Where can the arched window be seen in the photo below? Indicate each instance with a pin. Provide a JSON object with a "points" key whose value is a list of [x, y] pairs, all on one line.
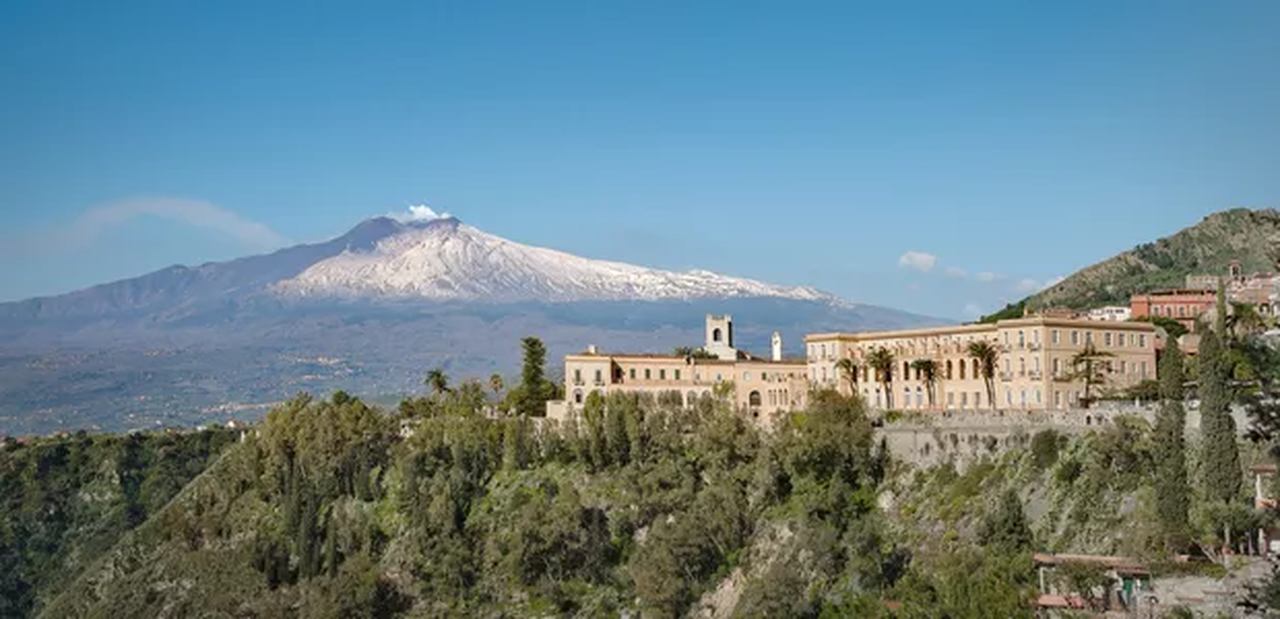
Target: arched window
{"points": [[715, 334], [754, 399], [976, 374], [906, 370], [577, 396], [949, 369], [962, 364], [919, 398]]}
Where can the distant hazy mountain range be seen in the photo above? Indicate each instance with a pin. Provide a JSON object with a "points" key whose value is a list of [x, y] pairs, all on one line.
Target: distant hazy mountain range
{"points": [[369, 311]]}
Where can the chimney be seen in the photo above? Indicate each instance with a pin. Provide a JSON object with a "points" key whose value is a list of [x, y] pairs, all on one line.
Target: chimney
{"points": [[776, 348]]}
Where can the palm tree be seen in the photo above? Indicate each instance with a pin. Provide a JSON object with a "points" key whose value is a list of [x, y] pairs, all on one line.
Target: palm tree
{"points": [[1088, 365], [1244, 320], [848, 368], [927, 369], [495, 383], [987, 355], [881, 360], [437, 381]]}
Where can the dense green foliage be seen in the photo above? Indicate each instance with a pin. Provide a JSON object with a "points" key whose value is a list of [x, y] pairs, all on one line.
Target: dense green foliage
{"points": [[333, 508], [1008, 312], [1173, 493], [1220, 460], [64, 501]]}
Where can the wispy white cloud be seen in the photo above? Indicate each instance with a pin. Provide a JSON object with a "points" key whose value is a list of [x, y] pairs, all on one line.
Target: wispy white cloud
{"points": [[971, 310], [956, 272], [987, 277], [917, 260], [97, 220]]}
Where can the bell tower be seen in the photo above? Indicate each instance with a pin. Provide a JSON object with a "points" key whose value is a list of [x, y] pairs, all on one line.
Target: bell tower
{"points": [[719, 336]]}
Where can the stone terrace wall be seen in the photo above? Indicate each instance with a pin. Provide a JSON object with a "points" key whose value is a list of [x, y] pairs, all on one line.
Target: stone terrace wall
{"points": [[926, 439]]}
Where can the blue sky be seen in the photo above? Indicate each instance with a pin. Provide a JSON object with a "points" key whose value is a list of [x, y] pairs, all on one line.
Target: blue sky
{"points": [[800, 143]]}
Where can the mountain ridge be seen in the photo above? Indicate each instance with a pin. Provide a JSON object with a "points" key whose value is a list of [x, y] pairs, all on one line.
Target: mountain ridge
{"points": [[1249, 235], [169, 347]]}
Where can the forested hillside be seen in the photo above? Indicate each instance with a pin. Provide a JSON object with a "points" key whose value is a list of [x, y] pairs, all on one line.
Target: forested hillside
{"points": [[327, 511], [65, 501], [1250, 236], [449, 507]]}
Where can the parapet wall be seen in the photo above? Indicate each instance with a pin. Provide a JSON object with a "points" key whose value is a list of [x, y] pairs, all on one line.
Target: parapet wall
{"points": [[926, 439]]}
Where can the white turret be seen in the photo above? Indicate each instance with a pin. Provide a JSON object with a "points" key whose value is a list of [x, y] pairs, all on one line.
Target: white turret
{"points": [[776, 346]]}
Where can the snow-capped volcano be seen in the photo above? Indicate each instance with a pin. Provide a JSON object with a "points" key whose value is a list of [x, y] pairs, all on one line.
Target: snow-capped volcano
{"points": [[444, 260]]}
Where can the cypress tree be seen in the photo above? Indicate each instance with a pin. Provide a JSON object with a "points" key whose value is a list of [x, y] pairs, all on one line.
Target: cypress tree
{"points": [[1221, 458], [1173, 495], [533, 388], [515, 447], [331, 559]]}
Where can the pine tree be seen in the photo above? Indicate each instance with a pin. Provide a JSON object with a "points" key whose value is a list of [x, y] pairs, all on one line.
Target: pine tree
{"points": [[1221, 458], [1006, 526], [1173, 494]]}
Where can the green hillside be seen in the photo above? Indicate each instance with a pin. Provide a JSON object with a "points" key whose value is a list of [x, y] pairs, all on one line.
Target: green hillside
{"points": [[1251, 236], [64, 501], [328, 510]]}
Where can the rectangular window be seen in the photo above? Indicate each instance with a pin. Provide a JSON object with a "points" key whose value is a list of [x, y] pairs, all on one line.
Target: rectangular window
{"points": [[599, 377], [662, 375], [1057, 399], [1106, 339], [677, 374], [1055, 336], [632, 373], [1075, 338], [1142, 340], [647, 375], [577, 376]]}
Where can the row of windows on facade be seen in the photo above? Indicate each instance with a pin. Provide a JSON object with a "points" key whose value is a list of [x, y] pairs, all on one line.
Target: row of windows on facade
{"points": [[963, 400], [777, 397], [662, 375], [1120, 367], [1183, 311], [1109, 339]]}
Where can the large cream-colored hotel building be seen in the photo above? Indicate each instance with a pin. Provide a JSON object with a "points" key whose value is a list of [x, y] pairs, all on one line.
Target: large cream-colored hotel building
{"points": [[1034, 369]]}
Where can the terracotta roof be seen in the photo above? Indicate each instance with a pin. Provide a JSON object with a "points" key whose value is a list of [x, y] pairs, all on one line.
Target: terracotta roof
{"points": [[1120, 564], [1049, 600]]}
